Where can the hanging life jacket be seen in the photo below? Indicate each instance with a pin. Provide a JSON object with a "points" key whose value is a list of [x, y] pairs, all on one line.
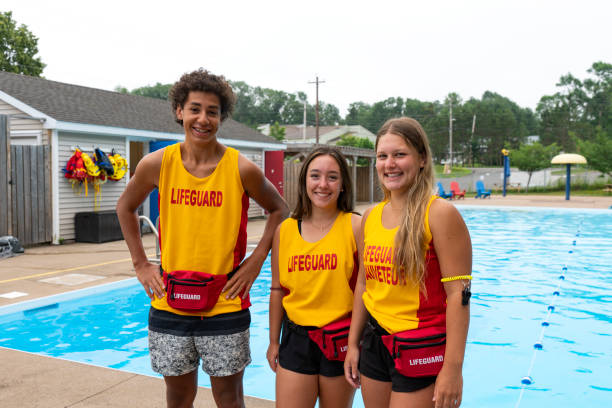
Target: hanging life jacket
{"points": [[71, 164], [103, 162], [74, 167], [92, 169], [119, 166], [75, 171]]}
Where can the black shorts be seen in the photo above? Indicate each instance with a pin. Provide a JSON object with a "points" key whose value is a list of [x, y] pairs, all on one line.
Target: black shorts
{"points": [[162, 321], [376, 363], [298, 353]]}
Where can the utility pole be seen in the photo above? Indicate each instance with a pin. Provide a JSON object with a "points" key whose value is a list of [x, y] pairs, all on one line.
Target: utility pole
{"points": [[304, 130], [472, 140], [317, 82], [450, 134]]}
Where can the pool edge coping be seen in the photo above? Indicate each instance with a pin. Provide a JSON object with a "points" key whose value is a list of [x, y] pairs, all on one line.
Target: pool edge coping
{"points": [[64, 296]]}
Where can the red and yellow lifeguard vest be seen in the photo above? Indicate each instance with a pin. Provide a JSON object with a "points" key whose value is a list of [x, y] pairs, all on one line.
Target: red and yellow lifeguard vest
{"points": [[319, 276], [202, 223], [396, 306]]}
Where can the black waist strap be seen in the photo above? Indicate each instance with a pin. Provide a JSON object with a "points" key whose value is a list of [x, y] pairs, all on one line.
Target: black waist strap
{"points": [[375, 327], [302, 330]]}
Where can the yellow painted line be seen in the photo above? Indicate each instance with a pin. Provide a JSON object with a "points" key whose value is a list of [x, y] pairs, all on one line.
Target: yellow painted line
{"points": [[68, 270]]}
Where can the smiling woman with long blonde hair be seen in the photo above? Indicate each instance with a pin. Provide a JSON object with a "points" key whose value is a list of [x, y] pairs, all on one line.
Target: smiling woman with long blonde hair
{"points": [[411, 305]]}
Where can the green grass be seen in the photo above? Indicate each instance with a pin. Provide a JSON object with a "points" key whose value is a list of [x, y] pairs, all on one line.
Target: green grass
{"points": [[455, 171], [575, 170], [598, 188]]}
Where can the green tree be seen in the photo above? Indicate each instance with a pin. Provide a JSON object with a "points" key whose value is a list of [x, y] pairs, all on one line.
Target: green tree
{"points": [[277, 131], [598, 152], [579, 108], [18, 48], [256, 105], [500, 122], [328, 114], [357, 114], [349, 139], [598, 110], [158, 91], [532, 158]]}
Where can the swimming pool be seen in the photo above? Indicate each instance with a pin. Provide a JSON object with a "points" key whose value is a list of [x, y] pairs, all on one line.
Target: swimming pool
{"points": [[519, 255]]}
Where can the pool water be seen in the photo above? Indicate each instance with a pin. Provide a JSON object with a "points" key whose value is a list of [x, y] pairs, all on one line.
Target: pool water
{"points": [[519, 255]]}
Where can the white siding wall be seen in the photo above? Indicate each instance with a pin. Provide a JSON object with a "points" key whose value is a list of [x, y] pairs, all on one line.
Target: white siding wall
{"points": [[256, 156], [70, 202], [23, 131]]}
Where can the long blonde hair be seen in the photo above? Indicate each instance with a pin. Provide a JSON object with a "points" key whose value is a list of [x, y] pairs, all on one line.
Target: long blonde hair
{"points": [[410, 241]]}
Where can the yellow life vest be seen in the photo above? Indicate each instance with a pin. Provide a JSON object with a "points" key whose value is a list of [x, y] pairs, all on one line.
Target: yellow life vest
{"points": [[119, 166]]}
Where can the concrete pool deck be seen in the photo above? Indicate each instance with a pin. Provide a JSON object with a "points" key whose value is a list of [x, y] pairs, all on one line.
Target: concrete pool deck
{"points": [[29, 380]]}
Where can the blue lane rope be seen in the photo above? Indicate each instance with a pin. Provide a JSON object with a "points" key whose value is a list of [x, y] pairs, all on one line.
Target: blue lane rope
{"points": [[539, 345]]}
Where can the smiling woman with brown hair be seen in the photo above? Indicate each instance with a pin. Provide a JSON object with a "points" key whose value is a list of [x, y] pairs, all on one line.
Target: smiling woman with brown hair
{"points": [[313, 274]]}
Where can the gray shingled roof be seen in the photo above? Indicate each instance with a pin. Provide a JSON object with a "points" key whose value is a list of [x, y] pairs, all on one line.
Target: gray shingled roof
{"points": [[80, 104]]}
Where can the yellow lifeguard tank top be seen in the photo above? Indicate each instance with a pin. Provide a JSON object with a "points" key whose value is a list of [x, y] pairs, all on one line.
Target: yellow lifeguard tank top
{"points": [[396, 306], [202, 223], [319, 276]]}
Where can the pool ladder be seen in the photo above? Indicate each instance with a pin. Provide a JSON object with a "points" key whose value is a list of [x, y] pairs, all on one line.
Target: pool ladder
{"points": [[154, 228]]}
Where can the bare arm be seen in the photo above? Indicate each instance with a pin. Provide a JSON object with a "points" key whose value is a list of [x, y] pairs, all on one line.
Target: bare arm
{"points": [[276, 306], [144, 181], [454, 251], [360, 314], [263, 192]]}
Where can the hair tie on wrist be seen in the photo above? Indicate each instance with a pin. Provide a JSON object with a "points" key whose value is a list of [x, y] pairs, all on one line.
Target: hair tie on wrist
{"points": [[454, 278]]}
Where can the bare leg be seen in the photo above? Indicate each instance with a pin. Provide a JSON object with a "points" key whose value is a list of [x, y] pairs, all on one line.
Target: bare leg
{"points": [[417, 399], [376, 394], [295, 390], [227, 391], [181, 390], [335, 392]]}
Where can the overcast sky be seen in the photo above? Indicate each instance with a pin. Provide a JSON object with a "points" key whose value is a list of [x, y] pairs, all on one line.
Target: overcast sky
{"points": [[363, 50]]}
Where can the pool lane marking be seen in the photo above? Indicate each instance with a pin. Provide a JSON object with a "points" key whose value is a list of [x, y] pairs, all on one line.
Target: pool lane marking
{"points": [[527, 380], [76, 268]]}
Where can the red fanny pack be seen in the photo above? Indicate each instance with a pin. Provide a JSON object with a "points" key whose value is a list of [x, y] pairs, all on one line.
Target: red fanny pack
{"points": [[418, 352], [332, 339], [192, 290]]}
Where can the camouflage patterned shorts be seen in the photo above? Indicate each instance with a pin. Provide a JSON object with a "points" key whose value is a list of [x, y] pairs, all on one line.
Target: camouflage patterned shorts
{"points": [[221, 355]]}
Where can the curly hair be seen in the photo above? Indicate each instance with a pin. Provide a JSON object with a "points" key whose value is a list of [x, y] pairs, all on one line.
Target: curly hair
{"points": [[203, 81]]}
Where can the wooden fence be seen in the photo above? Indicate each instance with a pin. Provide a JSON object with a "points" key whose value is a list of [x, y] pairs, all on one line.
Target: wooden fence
{"points": [[362, 184], [291, 174], [5, 176], [26, 206]]}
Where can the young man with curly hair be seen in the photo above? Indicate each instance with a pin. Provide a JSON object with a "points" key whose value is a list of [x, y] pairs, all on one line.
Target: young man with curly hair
{"points": [[204, 190]]}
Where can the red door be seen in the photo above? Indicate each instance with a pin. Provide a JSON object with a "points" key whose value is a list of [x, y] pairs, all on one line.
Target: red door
{"points": [[274, 168]]}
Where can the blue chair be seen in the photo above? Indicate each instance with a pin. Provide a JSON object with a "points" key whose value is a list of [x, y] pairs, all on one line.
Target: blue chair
{"points": [[481, 192], [443, 193]]}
